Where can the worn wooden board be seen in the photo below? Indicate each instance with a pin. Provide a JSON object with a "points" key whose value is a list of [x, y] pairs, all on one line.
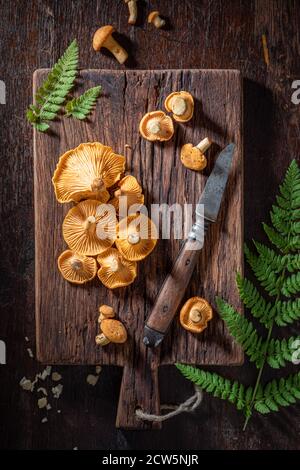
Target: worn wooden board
{"points": [[66, 315]]}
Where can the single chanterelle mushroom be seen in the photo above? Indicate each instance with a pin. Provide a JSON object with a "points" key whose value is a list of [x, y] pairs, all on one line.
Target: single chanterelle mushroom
{"points": [[195, 314], [115, 271], [181, 104], [130, 193], [155, 19], [89, 227], [193, 157], [105, 312], [132, 7], [136, 237], [103, 38], [113, 331], [86, 171], [77, 268], [156, 126]]}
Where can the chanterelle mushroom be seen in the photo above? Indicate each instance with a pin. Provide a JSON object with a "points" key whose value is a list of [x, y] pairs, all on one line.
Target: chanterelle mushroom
{"points": [[105, 312], [136, 237], [86, 171], [115, 271], [129, 194], [76, 268], [113, 331], [132, 7], [195, 314], [181, 104], [193, 157], [156, 126], [103, 38], [89, 228], [154, 18]]}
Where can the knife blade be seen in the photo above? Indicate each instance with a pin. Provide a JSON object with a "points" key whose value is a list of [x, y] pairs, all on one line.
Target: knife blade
{"points": [[176, 282]]}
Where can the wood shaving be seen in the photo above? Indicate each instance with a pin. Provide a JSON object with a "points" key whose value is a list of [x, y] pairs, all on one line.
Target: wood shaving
{"points": [[58, 411], [43, 390], [26, 384], [75, 448], [26, 339], [42, 402], [265, 49], [98, 369], [92, 379], [57, 391], [48, 407], [44, 420], [56, 376], [46, 372], [30, 353]]}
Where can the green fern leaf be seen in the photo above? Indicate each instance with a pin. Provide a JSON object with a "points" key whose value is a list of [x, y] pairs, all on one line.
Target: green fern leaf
{"points": [[260, 309], [281, 351], [287, 312], [291, 285], [263, 271], [243, 331], [284, 392], [81, 106], [215, 384], [54, 89], [275, 238]]}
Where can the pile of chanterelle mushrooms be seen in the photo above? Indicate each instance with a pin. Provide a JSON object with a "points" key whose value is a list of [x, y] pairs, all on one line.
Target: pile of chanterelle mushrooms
{"points": [[92, 176]]}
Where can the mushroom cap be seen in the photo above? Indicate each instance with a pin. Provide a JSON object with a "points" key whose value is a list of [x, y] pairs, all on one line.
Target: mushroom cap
{"points": [[189, 101], [129, 187], [107, 311], [136, 237], [192, 157], [86, 171], [77, 268], [152, 16], [89, 228], [101, 35], [115, 271], [114, 330], [160, 119], [195, 314]]}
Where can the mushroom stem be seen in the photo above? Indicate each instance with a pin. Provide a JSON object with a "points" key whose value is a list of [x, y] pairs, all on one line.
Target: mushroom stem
{"points": [[76, 264], [98, 185], [133, 238], [154, 127], [159, 22], [178, 106], [132, 7], [204, 145], [114, 265], [195, 315], [91, 220], [101, 340], [114, 47]]}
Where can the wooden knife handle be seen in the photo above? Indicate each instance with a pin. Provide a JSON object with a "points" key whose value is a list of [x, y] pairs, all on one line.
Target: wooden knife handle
{"points": [[172, 291]]}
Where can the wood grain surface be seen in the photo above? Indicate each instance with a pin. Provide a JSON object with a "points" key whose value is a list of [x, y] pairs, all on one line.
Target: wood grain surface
{"points": [[207, 34], [67, 314]]}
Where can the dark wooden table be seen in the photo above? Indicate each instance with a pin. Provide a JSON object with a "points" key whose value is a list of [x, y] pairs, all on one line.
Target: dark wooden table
{"points": [[200, 34]]}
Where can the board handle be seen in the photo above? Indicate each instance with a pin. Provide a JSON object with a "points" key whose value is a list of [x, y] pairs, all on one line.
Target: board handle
{"points": [[171, 293], [139, 390]]}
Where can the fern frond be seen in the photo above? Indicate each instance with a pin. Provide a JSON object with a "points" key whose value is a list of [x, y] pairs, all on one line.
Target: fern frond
{"points": [[243, 331], [275, 238], [81, 106], [293, 263], [218, 386], [287, 312], [269, 257], [263, 271], [291, 285], [261, 309], [281, 351], [54, 90], [275, 394]]}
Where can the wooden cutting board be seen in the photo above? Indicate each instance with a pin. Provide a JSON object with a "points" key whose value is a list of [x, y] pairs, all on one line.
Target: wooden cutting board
{"points": [[66, 315]]}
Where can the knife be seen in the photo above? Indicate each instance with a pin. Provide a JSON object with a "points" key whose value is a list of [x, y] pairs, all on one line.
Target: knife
{"points": [[176, 282]]}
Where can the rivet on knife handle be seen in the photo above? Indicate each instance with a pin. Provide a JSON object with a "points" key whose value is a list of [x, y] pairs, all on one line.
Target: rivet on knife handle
{"points": [[175, 284]]}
